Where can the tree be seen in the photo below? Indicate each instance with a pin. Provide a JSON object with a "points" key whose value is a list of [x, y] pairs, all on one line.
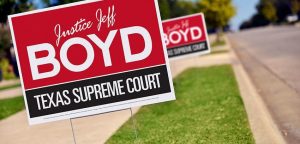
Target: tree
{"points": [[217, 14], [8, 7], [182, 8], [268, 10], [295, 6], [283, 9], [271, 11], [4, 39], [164, 9], [50, 3], [256, 20], [176, 8]]}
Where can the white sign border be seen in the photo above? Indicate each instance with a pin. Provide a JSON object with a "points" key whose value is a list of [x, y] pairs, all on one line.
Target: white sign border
{"points": [[207, 39], [101, 108]]}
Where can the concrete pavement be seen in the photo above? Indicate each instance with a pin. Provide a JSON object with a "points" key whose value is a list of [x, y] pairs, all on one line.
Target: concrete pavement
{"points": [[88, 130], [9, 82], [9, 93], [12, 92], [179, 65]]}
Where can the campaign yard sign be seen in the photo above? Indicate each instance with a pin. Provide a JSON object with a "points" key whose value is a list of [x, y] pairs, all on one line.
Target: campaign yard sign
{"points": [[91, 57], [186, 36]]}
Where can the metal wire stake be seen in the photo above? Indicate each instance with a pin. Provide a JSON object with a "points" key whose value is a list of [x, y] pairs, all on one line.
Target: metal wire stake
{"points": [[134, 126], [74, 139]]}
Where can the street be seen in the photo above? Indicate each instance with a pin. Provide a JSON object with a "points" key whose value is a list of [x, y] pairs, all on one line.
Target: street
{"points": [[276, 48], [271, 57]]}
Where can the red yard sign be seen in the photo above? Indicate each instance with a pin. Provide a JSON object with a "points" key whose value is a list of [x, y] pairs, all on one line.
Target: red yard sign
{"points": [[91, 57], [185, 36]]}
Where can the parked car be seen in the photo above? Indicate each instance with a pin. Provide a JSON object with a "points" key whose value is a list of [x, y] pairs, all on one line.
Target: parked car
{"points": [[292, 18]]}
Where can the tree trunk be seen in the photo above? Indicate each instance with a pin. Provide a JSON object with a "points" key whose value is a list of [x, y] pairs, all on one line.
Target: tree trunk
{"points": [[219, 34]]}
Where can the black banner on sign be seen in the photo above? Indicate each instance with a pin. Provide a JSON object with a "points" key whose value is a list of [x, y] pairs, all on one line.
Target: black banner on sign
{"points": [[187, 49], [98, 91]]}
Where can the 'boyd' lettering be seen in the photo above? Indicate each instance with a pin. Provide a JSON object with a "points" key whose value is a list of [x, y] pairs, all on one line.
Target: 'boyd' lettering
{"points": [[104, 46]]}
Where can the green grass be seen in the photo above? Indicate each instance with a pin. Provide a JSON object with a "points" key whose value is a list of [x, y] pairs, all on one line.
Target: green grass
{"points": [[11, 106], [219, 51], [10, 86], [218, 43], [208, 110]]}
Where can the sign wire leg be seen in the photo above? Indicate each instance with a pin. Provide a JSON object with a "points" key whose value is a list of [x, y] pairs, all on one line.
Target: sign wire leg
{"points": [[134, 126], [74, 139]]}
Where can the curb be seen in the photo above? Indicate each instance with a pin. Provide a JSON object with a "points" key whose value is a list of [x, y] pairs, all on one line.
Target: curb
{"points": [[262, 124]]}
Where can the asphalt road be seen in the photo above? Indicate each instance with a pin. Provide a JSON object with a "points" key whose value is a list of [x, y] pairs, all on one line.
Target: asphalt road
{"points": [[271, 56], [278, 48]]}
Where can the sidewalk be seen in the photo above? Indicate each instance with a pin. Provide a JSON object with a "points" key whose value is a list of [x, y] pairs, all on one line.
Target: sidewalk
{"points": [[88, 130], [179, 65], [9, 82], [10, 93]]}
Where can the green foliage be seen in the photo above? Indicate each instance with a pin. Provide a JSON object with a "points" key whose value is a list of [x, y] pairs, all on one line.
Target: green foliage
{"points": [[271, 11], [68, 1], [23, 6], [183, 8], [208, 110], [5, 39], [268, 10], [295, 6], [217, 12], [218, 43], [8, 7], [11, 106], [164, 9], [6, 69], [256, 21], [168, 8], [59, 2]]}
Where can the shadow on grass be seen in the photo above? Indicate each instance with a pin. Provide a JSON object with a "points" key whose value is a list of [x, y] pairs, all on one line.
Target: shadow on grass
{"points": [[208, 109]]}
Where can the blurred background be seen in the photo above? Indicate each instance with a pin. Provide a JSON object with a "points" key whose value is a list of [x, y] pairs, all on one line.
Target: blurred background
{"points": [[221, 15], [245, 91]]}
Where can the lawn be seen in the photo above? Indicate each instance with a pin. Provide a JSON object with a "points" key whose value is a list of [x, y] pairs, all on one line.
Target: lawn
{"points": [[208, 110], [11, 106]]}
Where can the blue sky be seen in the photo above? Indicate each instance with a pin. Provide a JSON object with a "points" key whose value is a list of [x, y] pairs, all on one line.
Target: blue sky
{"points": [[245, 9], [38, 3]]}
